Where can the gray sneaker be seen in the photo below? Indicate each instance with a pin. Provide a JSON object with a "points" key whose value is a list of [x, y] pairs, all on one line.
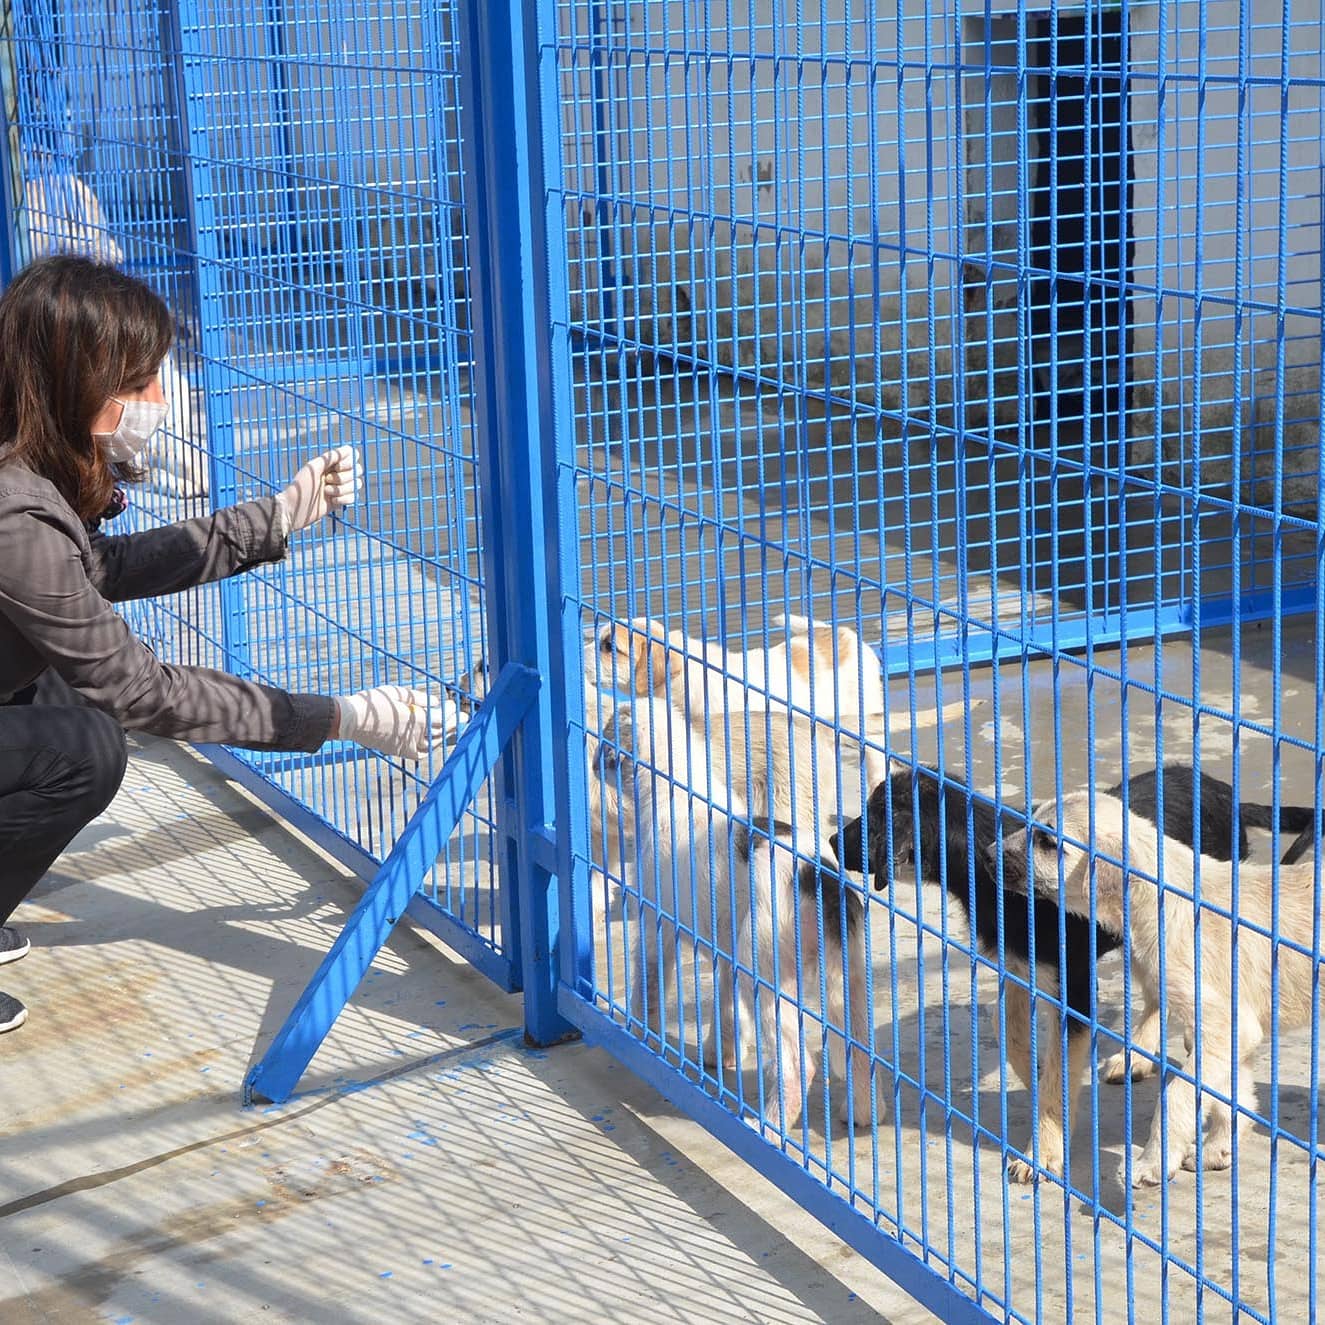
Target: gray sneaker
{"points": [[12, 945], [12, 1013]]}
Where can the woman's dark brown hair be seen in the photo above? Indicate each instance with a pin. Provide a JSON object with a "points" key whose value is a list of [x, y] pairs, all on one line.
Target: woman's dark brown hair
{"points": [[73, 333]]}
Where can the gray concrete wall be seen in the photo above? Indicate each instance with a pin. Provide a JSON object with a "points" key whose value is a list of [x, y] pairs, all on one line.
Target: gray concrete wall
{"points": [[771, 206]]}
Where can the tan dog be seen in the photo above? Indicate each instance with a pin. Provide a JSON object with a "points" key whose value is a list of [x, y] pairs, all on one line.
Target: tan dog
{"points": [[1203, 1007], [829, 674]]}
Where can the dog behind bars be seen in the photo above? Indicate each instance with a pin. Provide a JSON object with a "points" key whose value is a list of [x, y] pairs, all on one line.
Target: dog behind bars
{"points": [[723, 874], [1125, 896]]}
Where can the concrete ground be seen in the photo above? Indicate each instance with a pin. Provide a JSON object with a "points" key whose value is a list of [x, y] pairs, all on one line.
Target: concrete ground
{"points": [[429, 1166]]}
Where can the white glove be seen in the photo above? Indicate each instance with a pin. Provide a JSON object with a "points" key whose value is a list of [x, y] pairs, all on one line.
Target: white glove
{"points": [[400, 722], [323, 485]]}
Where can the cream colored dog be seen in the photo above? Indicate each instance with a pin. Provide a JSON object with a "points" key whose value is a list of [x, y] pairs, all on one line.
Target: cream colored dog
{"points": [[717, 879], [1204, 1006]]}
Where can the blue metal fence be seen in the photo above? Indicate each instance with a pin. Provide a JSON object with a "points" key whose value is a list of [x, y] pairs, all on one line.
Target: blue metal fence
{"points": [[291, 184], [792, 397], [990, 332]]}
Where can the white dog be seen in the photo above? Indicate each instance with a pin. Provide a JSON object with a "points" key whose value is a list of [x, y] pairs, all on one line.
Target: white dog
{"points": [[712, 893], [817, 669], [1204, 1008]]}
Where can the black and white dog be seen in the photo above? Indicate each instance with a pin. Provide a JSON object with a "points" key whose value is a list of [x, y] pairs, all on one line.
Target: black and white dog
{"points": [[969, 873]]}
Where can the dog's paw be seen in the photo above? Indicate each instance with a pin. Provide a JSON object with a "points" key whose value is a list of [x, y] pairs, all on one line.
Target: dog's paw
{"points": [[857, 1119], [1215, 1158], [713, 1060], [1021, 1172], [1115, 1068], [1147, 1173]]}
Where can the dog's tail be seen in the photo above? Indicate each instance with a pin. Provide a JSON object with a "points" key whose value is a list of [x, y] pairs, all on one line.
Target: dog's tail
{"points": [[1302, 843], [1292, 818]]}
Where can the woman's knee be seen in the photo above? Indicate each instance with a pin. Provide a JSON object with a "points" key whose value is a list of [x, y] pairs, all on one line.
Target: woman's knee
{"points": [[107, 753], [82, 762]]}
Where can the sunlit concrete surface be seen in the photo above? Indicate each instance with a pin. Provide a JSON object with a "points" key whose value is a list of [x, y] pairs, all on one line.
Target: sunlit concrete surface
{"points": [[431, 1167]]}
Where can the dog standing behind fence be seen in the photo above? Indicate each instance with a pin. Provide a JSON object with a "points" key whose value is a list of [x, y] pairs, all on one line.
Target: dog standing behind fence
{"points": [[1200, 998], [713, 887], [64, 216], [967, 867]]}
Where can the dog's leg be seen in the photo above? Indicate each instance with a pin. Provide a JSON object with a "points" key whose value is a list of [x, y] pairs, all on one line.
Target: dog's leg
{"points": [[1178, 1103], [1055, 1129], [856, 1025], [1049, 1105], [1217, 1150], [795, 1074], [725, 1018], [1017, 1018], [1141, 1057], [778, 1047], [645, 974]]}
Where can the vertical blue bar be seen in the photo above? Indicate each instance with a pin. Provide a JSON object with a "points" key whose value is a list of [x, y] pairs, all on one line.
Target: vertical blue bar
{"points": [[501, 141]]}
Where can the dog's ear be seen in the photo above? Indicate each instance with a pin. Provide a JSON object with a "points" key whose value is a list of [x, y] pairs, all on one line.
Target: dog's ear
{"points": [[1110, 878], [650, 667], [672, 662], [846, 844]]}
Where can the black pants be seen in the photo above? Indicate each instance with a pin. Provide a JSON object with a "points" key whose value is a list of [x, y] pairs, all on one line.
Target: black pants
{"points": [[60, 766]]}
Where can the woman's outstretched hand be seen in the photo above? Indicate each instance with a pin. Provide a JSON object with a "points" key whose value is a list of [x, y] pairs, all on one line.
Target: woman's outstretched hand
{"points": [[323, 485], [400, 722]]}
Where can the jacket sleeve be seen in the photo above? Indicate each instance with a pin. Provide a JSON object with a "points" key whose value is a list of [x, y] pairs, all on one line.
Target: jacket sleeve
{"points": [[180, 556], [46, 593]]}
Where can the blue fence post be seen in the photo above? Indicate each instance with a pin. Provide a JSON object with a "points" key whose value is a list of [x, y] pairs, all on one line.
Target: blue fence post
{"points": [[501, 142]]}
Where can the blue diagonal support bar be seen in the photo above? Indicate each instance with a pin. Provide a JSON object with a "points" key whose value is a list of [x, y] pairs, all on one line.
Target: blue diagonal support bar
{"points": [[464, 773]]}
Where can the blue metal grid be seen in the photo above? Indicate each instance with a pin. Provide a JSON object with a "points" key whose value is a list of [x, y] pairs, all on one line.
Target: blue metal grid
{"points": [[992, 332]]}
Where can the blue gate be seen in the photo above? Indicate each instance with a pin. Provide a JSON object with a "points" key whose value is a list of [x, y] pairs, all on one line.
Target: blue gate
{"points": [[784, 404]]}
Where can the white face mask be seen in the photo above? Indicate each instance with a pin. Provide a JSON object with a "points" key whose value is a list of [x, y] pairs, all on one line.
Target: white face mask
{"points": [[139, 419]]}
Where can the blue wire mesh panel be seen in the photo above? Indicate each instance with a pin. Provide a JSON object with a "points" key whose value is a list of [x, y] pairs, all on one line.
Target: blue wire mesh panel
{"points": [[290, 181], [96, 170], [975, 333]]}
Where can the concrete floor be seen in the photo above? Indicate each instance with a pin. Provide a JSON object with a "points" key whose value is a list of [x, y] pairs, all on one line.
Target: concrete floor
{"points": [[430, 1165]]}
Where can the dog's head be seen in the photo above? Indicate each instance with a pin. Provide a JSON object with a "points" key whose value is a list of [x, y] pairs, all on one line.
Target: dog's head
{"points": [[891, 798], [638, 656], [1067, 829], [629, 744]]}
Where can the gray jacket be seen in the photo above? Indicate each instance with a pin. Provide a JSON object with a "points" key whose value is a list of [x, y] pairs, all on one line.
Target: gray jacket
{"points": [[57, 582]]}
